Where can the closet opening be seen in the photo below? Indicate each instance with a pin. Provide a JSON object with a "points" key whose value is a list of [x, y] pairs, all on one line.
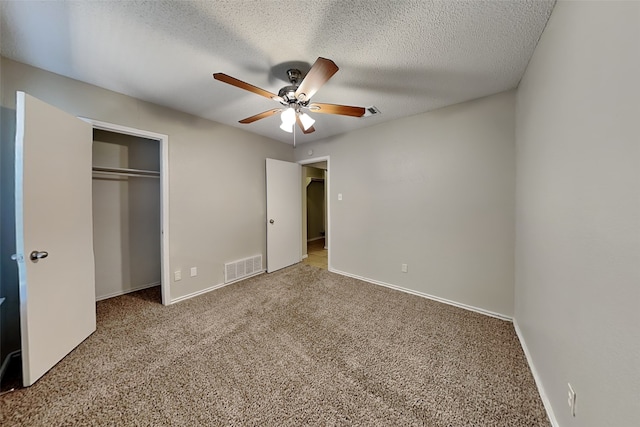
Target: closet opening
{"points": [[127, 214]]}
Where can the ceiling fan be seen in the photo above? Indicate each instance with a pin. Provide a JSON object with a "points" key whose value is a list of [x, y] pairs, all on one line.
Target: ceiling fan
{"points": [[295, 98]]}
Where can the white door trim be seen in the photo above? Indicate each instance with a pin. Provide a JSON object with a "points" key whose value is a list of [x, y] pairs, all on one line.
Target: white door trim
{"points": [[327, 184], [165, 281]]}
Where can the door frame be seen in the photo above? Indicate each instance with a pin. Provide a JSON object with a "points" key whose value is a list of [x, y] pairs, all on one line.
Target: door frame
{"points": [[163, 140], [327, 183]]}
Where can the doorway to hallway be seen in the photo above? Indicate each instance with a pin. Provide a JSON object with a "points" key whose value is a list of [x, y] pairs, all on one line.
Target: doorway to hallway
{"points": [[315, 212]]}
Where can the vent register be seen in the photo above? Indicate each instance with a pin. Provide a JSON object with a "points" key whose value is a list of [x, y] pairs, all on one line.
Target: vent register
{"points": [[242, 268]]}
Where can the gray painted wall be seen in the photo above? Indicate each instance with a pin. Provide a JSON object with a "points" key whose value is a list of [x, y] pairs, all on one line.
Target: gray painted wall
{"points": [[434, 191], [216, 178], [578, 212]]}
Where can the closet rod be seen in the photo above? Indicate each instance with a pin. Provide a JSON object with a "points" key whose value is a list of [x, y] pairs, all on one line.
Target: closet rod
{"points": [[126, 172], [137, 175]]}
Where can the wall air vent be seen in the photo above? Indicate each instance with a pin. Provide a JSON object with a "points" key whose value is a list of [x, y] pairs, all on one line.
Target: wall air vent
{"points": [[371, 111], [242, 268]]}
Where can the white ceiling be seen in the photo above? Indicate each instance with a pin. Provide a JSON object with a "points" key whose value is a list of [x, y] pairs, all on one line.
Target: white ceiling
{"points": [[404, 57]]}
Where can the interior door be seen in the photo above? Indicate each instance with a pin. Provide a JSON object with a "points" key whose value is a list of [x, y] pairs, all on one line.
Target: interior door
{"points": [[284, 217], [54, 235]]}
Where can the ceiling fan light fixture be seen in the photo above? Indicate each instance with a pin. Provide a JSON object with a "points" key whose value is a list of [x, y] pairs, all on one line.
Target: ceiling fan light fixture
{"points": [[306, 120]]}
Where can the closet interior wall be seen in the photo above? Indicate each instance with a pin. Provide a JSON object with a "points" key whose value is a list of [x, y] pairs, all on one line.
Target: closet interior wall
{"points": [[126, 214]]}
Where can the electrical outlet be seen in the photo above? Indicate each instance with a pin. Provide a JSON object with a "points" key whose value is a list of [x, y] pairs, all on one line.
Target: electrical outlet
{"points": [[177, 275], [571, 400], [404, 268], [194, 271]]}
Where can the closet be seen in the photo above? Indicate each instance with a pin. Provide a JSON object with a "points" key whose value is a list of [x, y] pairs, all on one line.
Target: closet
{"points": [[126, 213]]}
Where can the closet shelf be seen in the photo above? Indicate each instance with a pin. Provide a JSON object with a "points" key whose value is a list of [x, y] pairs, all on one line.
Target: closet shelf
{"points": [[310, 180], [126, 172]]}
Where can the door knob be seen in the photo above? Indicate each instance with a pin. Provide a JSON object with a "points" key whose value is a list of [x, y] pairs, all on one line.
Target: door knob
{"points": [[36, 255], [271, 221]]}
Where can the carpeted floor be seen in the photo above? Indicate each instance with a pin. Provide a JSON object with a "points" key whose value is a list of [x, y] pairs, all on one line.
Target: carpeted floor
{"points": [[301, 346]]}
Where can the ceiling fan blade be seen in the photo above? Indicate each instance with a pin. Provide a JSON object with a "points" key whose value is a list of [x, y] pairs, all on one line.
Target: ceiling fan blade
{"points": [[260, 116], [344, 110], [318, 75], [301, 126], [246, 86]]}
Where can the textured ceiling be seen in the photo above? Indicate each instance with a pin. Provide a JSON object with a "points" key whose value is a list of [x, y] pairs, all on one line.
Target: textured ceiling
{"points": [[404, 57]]}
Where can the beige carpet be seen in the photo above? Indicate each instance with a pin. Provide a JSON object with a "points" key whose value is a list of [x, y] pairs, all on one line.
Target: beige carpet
{"points": [[297, 347]]}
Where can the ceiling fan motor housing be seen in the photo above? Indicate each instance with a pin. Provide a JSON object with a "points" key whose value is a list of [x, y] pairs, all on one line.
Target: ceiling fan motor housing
{"points": [[288, 94]]}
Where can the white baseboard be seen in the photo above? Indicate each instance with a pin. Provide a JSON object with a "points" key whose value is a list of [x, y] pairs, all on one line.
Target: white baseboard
{"points": [[127, 291], [314, 239], [422, 294], [543, 396], [305, 256], [211, 288]]}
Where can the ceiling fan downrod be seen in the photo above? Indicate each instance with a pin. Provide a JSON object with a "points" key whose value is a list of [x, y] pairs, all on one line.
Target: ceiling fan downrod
{"points": [[294, 76]]}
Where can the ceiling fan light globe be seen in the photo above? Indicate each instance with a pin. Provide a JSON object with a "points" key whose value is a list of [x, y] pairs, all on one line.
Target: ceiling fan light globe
{"points": [[306, 120], [288, 116], [287, 127]]}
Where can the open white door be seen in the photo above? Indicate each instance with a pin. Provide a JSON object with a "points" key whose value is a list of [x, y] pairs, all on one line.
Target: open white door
{"points": [[54, 235], [284, 219]]}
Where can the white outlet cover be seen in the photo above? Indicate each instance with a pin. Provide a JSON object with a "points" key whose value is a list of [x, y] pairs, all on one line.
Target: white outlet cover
{"points": [[194, 271], [177, 275]]}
